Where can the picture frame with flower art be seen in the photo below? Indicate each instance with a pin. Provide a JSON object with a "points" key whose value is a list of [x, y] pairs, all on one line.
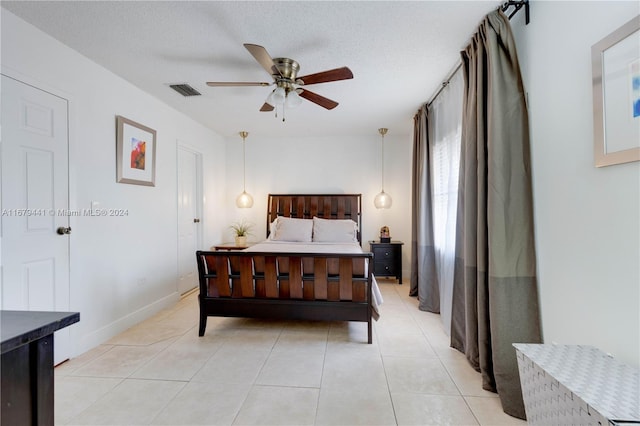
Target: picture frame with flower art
{"points": [[135, 153]]}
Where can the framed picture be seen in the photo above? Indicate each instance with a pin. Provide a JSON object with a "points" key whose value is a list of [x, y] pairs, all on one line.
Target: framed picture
{"points": [[135, 153], [616, 96]]}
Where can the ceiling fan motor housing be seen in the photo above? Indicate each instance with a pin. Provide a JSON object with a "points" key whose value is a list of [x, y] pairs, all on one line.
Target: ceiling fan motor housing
{"points": [[288, 72], [288, 68]]}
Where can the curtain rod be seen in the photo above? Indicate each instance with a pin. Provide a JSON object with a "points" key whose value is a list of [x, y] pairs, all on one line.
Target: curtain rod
{"points": [[445, 83], [506, 5], [517, 5]]}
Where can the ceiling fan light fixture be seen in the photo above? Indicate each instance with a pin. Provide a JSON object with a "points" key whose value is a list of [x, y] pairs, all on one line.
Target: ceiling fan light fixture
{"points": [[279, 96], [293, 100], [270, 99]]}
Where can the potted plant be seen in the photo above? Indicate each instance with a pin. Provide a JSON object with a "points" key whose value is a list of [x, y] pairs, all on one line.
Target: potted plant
{"points": [[240, 231]]}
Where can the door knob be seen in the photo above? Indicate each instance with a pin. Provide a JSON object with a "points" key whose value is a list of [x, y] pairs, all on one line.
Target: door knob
{"points": [[196, 220], [62, 230]]}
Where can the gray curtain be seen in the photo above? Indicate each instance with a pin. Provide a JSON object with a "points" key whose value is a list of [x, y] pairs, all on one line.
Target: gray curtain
{"points": [[424, 281], [495, 300]]}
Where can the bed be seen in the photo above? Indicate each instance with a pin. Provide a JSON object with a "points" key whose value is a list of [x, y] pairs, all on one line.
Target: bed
{"points": [[311, 266]]}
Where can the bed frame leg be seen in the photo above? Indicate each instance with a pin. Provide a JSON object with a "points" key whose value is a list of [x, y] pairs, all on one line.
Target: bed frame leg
{"points": [[203, 325], [369, 331]]}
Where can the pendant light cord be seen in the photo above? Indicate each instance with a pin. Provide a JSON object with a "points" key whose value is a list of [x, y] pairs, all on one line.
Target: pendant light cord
{"points": [[244, 166], [382, 163], [383, 131], [244, 135]]}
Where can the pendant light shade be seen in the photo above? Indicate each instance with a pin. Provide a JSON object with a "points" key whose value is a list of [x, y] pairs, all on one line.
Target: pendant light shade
{"points": [[382, 200], [244, 200]]}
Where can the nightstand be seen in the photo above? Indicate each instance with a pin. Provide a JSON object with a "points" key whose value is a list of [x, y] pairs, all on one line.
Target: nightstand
{"points": [[387, 259], [230, 246]]}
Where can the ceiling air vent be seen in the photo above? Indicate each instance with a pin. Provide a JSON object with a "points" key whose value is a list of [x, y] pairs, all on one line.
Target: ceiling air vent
{"points": [[185, 89]]}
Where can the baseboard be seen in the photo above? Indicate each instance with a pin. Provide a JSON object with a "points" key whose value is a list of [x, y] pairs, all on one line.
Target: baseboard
{"points": [[103, 334]]}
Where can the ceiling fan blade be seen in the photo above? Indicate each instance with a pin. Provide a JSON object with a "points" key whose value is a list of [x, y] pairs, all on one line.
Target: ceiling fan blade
{"points": [[266, 107], [343, 73], [263, 58], [317, 99], [232, 84]]}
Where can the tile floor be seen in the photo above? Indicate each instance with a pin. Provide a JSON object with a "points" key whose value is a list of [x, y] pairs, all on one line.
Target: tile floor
{"points": [[254, 372]]}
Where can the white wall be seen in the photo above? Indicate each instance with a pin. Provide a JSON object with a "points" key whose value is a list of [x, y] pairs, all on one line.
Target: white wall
{"points": [[587, 219], [326, 165], [123, 269]]}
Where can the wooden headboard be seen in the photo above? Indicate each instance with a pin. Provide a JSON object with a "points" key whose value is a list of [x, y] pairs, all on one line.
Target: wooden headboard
{"points": [[306, 206]]}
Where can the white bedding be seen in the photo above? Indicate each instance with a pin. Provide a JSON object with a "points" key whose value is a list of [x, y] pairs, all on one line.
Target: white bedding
{"points": [[316, 247]]}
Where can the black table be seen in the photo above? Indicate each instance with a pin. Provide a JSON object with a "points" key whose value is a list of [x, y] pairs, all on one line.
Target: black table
{"points": [[26, 365]]}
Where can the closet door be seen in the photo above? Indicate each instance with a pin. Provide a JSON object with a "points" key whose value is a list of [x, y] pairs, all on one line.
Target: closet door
{"points": [[35, 197]]}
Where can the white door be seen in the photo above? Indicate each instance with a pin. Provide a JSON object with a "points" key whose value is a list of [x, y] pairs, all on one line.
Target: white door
{"points": [[35, 195], [189, 220]]}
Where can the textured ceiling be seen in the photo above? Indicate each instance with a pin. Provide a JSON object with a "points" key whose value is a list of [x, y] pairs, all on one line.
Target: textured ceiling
{"points": [[399, 53]]}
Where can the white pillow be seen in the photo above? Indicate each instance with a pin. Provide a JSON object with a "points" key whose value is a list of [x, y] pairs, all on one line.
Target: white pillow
{"points": [[334, 230], [272, 228], [293, 229]]}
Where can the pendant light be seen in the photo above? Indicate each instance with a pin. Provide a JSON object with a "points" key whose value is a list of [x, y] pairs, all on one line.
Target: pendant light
{"points": [[382, 200], [244, 200]]}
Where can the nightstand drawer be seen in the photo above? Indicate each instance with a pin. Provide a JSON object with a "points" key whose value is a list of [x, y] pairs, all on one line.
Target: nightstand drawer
{"points": [[384, 268], [380, 254]]}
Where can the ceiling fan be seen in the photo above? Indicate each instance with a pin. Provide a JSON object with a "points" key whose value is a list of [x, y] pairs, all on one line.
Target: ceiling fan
{"points": [[289, 87]]}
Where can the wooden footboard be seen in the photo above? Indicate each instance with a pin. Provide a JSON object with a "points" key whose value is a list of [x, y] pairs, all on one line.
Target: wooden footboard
{"points": [[330, 287]]}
